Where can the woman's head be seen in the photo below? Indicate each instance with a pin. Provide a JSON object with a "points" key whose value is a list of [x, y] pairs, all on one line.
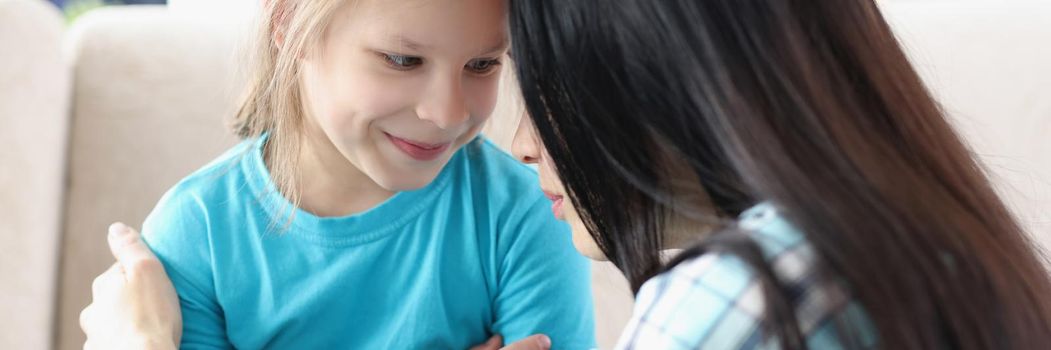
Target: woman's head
{"points": [[528, 149], [394, 87], [810, 104], [688, 208]]}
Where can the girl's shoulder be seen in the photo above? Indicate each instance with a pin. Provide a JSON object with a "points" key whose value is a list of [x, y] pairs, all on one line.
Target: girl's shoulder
{"points": [[218, 185], [484, 155], [232, 168], [497, 173]]}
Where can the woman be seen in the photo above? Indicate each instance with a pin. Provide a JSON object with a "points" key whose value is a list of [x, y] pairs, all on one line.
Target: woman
{"points": [[786, 144]]}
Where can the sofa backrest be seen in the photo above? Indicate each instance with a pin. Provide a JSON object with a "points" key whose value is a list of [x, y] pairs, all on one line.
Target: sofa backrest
{"points": [[34, 98], [151, 90]]}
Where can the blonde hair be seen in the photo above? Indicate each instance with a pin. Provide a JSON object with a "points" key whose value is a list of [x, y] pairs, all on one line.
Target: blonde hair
{"points": [[288, 30]]}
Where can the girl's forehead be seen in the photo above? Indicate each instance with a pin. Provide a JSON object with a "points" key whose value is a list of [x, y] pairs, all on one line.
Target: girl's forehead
{"points": [[424, 24], [465, 12]]}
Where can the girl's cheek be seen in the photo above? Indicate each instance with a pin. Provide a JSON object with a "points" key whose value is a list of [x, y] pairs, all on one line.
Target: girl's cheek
{"points": [[378, 96], [483, 95]]}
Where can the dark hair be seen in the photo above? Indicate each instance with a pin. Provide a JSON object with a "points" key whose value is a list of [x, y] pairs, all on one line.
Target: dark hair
{"points": [[809, 104]]}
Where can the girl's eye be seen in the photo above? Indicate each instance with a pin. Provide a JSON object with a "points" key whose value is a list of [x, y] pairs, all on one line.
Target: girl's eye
{"points": [[400, 62], [483, 66]]}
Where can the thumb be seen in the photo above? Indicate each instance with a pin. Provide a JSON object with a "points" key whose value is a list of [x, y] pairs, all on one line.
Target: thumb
{"points": [[493, 343], [533, 342], [128, 248]]}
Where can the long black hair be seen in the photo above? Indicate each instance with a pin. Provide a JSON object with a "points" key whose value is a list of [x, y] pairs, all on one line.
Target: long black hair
{"points": [[809, 104]]}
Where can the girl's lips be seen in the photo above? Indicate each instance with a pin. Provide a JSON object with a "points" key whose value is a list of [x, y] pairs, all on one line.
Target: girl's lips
{"points": [[418, 150]]}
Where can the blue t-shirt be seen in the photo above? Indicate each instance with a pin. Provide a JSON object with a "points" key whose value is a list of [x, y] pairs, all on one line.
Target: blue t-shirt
{"points": [[475, 253]]}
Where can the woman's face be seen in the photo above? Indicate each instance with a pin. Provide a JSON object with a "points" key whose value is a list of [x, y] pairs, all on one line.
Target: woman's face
{"points": [[527, 148], [399, 86]]}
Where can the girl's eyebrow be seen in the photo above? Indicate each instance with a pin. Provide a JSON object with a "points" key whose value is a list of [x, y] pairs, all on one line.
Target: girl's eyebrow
{"points": [[501, 46], [405, 42], [409, 43]]}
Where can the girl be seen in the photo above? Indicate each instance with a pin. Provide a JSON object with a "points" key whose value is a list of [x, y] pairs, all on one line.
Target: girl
{"points": [[363, 210]]}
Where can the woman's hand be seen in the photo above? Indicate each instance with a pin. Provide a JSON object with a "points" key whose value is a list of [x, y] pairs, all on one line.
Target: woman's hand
{"points": [[533, 342], [134, 304]]}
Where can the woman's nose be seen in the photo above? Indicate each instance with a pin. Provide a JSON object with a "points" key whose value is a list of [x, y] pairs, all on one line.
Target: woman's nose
{"points": [[525, 146]]}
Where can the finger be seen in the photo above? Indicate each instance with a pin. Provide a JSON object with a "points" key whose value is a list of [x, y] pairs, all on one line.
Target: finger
{"points": [[105, 282], [84, 315], [130, 250], [533, 342], [89, 323], [493, 343]]}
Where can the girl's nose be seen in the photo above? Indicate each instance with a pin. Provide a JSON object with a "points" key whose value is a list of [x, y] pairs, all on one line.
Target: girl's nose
{"points": [[446, 107]]}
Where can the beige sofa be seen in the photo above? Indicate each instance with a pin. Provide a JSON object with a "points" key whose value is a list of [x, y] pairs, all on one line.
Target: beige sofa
{"points": [[151, 87], [34, 98]]}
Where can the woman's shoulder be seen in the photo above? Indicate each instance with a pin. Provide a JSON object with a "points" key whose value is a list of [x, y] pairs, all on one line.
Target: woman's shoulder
{"points": [[711, 301], [715, 300]]}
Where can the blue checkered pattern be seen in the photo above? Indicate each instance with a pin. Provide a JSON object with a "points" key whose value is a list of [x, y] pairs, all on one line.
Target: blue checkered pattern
{"points": [[714, 301]]}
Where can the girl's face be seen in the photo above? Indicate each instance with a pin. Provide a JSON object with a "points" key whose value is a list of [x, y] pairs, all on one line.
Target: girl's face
{"points": [[528, 149], [399, 86]]}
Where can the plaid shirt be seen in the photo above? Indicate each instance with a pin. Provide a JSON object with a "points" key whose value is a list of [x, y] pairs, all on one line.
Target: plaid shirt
{"points": [[714, 301]]}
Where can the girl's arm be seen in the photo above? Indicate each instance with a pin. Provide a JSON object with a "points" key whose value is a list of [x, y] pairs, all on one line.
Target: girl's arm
{"points": [[177, 231], [544, 284], [167, 283]]}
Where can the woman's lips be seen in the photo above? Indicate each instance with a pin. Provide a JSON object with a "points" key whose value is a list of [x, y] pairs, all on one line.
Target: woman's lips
{"points": [[556, 203], [418, 150]]}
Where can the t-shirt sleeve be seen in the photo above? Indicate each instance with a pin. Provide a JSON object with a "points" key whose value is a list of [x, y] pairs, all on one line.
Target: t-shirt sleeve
{"points": [[177, 231], [544, 284]]}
